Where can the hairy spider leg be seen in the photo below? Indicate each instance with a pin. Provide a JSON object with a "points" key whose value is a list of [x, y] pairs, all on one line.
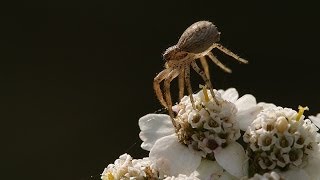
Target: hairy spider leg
{"points": [[181, 83], [228, 52], [205, 79], [218, 63], [156, 85], [205, 66], [188, 84], [173, 74]]}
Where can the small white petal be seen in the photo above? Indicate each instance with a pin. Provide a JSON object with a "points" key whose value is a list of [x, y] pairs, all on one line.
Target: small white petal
{"points": [[230, 95], [246, 117], [233, 159], [245, 102], [227, 176], [313, 167], [315, 120], [154, 127], [182, 177], [266, 105], [295, 174], [209, 170], [172, 158]]}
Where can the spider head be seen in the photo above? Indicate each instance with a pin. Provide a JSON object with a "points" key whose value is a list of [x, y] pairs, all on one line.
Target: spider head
{"points": [[173, 53]]}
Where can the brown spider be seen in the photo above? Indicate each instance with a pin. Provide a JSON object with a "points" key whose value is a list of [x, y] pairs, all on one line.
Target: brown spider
{"points": [[196, 42]]}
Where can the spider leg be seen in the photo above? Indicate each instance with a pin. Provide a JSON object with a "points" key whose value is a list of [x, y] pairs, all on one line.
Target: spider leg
{"points": [[173, 74], [205, 66], [218, 63], [156, 85], [206, 80], [228, 52], [181, 83], [188, 84]]}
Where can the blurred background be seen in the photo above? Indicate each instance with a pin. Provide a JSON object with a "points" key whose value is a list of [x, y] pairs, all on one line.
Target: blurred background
{"points": [[77, 75]]}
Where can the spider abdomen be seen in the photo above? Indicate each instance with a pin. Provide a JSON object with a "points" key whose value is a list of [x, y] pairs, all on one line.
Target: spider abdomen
{"points": [[198, 37]]}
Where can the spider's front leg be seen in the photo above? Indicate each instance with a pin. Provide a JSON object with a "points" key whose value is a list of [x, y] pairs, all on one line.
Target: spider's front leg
{"points": [[156, 85], [173, 74]]}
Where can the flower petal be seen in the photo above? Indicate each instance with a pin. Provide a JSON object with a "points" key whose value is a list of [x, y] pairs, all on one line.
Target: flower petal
{"points": [[230, 94], [295, 174], [154, 127], [172, 158], [245, 102], [245, 117], [209, 170], [233, 159], [266, 105], [315, 120], [227, 176], [313, 166]]}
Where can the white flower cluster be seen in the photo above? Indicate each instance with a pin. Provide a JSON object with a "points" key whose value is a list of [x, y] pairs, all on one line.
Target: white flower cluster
{"points": [[209, 126], [279, 138], [277, 143], [127, 168]]}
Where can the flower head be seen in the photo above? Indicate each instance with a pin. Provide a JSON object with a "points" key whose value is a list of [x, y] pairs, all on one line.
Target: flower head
{"points": [[127, 168], [209, 130], [209, 126], [280, 138]]}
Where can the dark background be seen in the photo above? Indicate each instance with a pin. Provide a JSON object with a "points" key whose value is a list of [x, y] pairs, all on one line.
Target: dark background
{"points": [[77, 75]]}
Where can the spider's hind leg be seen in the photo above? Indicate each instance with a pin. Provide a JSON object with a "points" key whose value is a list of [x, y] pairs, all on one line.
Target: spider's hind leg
{"points": [[206, 80], [181, 83], [188, 84], [230, 53], [205, 66], [218, 63]]}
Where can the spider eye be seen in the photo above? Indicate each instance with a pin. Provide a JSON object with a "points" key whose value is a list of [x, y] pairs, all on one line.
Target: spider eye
{"points": [[169, 52], [166, 56]]}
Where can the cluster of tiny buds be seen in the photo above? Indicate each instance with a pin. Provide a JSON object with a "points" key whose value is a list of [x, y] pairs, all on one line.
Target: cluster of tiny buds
{"points": [[128, 168], [280, 138], [209, 126]]}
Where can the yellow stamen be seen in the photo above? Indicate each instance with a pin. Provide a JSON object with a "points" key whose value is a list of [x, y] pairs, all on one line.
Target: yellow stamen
{"points": [[205, 92], [110, 176], [301, 111]]}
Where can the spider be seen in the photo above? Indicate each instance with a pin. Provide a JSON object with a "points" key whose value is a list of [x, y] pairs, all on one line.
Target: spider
{"points": [[196, 42]]}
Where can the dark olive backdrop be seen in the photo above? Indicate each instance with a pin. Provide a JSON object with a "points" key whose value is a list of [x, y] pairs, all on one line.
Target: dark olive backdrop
{"points": [[77, 75]]}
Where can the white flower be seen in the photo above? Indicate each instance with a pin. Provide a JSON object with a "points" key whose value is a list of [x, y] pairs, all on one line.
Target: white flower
{"points": [[210, 131], [280, 138], [127, 168]]}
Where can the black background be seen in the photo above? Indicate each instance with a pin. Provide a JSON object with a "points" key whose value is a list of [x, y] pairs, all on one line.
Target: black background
{"points": [[77, 75]]}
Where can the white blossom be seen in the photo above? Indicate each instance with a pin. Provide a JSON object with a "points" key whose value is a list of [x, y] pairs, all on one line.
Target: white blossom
{"points": [[209, 131], [280, 138], [128, 168]]}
